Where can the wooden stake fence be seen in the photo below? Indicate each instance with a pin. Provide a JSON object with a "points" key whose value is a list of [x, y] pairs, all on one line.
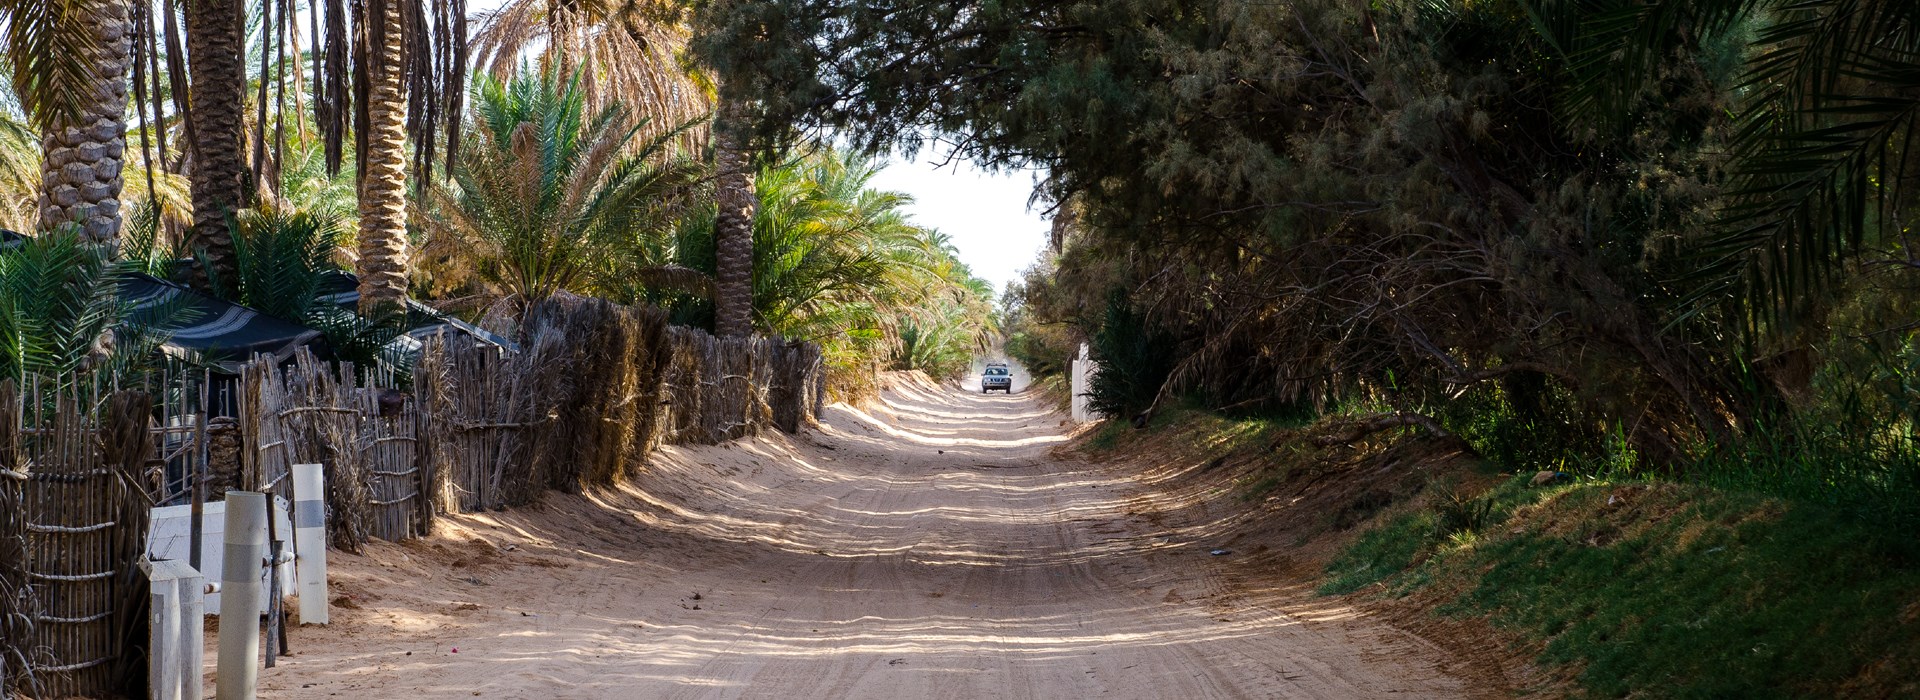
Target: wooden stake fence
{"points": [[366, 433], [73, 455]]}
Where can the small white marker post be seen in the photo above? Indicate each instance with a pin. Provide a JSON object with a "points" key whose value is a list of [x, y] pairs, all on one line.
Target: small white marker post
{"points": [[310, 541], [244, 558], [173, 663]]}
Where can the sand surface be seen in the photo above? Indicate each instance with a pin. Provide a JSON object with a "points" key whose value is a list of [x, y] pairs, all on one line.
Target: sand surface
{"points": [[937, 545]]}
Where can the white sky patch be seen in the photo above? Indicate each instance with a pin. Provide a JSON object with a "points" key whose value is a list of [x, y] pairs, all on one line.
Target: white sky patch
{"points": [[984, 214]]}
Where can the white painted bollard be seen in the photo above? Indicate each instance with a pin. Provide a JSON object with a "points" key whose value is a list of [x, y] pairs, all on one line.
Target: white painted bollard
{"points": [[242, 563], [310, 541], [1079, 382], [175, 654]]}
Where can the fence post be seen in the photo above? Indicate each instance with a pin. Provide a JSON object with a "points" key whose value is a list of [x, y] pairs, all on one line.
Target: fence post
{"points": [[310, 541], [175, 654], [245, 556]]}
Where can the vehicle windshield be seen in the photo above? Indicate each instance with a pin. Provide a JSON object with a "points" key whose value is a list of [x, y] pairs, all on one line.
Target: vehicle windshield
{"points": [[996, 371]]}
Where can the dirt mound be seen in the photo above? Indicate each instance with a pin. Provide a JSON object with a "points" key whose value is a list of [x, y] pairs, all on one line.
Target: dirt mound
{"points": [[912, 382], [1282, 502]]}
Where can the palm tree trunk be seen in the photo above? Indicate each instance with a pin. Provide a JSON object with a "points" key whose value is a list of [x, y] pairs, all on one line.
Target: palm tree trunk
{"points": [[83, 154], [732, 231], [383, 189], [215, 42]]}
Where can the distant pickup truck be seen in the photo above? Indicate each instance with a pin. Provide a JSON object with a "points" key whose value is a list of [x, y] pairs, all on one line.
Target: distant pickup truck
{"points": [[997, 376]]}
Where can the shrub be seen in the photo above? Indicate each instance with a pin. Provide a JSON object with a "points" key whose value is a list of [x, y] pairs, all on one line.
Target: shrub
{"points": [[1134, 361]]}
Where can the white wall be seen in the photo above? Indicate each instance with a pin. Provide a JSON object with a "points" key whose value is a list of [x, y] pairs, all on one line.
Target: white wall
{"points": [[171, 538]]}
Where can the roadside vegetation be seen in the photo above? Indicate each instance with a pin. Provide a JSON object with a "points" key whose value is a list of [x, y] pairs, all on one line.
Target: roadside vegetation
{"points": [[1617, 585], [1653, 588], [1662, 250], [547, 180]]}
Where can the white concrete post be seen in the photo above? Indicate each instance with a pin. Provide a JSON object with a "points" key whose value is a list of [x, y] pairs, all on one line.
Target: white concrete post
{"points": [[1079, 381], [175, 655], [310, 541], [244, 558]]}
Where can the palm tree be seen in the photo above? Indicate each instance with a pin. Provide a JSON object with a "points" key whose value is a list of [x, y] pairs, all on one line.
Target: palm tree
{"points": [[397, 74], [732, 231], [630, 51], [545, 192], [383, 263], [19, 175], [61, 312], [833, 256], [625, 51], [216, 42], [70, 64]]}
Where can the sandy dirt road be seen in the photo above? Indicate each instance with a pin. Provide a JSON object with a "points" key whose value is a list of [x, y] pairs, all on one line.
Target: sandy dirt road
{"points": [[934, 546]]}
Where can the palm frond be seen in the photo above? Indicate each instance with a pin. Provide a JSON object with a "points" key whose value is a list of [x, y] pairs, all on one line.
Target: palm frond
{"points": [[1824, 155], [50, 45]]}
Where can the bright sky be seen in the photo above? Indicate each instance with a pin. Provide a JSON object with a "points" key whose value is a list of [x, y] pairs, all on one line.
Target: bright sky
{"points": [[984, 214]]}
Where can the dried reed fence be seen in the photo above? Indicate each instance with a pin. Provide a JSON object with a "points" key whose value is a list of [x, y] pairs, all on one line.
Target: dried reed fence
{"points": [[596, 387], [593, 390], [73, 456], [364, 432]]}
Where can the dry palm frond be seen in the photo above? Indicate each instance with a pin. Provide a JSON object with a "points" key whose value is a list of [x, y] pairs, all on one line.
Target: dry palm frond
{"points": [[19, 175], [433, 65], [619, 52], [676, 278]]}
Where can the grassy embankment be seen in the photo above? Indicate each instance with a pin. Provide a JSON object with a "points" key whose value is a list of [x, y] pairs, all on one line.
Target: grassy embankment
{"points": [[1620, 587]]}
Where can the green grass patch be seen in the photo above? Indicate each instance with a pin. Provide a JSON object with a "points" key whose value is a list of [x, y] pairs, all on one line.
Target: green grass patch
{"points": [[1195, 430], [1669, 590], [1380, 554], [1108, 435]]}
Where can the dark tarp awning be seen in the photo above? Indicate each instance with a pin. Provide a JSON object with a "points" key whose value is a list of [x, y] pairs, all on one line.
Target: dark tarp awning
{"points": [[217, 331], [422, 321], [229, 334], [198, 325]]}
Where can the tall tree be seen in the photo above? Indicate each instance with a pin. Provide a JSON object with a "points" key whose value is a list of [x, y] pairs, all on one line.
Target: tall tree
{"points": [[383, 161], [216, 42], [626, 51], [732, 229], [630, 51], [406, 80], [550, 194], [70, 66]]}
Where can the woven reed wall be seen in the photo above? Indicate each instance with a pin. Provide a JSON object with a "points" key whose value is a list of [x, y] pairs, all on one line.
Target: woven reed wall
{"points": [[365, 433], [73, 523], [596, 387]]}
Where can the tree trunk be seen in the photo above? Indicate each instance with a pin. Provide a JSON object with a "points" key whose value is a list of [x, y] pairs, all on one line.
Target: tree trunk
{"points": [[83, 156], [215, 46], [732, 231], [383, 189]]}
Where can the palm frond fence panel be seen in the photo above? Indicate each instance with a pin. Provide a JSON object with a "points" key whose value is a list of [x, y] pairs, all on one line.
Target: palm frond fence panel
{"points": [[74, 503], [594, 390]]}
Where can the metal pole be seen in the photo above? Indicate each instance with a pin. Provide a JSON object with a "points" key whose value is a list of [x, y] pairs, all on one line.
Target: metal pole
{"points": [[246, 552]]}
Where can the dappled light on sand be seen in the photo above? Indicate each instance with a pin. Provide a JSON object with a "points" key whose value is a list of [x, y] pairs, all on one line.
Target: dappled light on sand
{"points": [[932, 545]]}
